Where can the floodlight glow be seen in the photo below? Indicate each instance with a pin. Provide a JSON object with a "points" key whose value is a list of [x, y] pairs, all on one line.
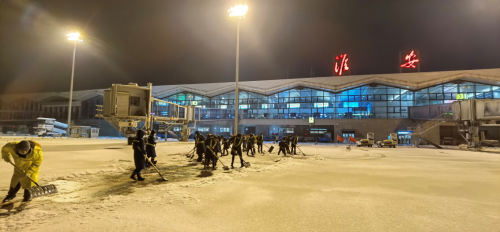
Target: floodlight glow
{"points": [[74, 36], [238, 11]]}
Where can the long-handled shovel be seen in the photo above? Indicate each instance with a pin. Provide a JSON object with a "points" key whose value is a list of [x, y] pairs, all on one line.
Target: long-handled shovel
{"points": [[226, 168], [189, 153], [270, 149], [301, 151], [38, 191], [154, 166]]}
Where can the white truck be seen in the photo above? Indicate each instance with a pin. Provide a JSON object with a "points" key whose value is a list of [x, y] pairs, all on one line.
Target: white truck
{"points": [[50, 127]]}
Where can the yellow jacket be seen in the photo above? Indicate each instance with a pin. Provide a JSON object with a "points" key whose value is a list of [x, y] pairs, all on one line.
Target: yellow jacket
{"points": [[30, 165]]}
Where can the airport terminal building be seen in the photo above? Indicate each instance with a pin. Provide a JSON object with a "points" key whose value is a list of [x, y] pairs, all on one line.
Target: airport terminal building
{"points": [[316, 107]]}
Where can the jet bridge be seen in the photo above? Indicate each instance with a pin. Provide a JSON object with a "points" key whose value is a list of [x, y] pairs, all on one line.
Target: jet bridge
{"points": [[472, 114], [468, 116], [127, 106]]}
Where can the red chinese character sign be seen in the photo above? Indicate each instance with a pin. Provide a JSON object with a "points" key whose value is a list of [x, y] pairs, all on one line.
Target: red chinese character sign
{"points": [[342, 65], [409, 61]]}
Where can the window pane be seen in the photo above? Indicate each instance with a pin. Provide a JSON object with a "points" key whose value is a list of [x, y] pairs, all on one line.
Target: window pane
{"points": [[450, 88], [436, 89], [391, 90]]}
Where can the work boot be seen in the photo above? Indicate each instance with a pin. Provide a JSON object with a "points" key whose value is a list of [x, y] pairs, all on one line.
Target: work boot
{"points": [[154, 162], [232, 167], [27, 196], [139, 177], [133, 176], [12, 193], [7, 199]]}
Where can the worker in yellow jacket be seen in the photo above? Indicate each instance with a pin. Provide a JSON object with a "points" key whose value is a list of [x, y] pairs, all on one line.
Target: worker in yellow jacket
{"points": [[28, 157]]}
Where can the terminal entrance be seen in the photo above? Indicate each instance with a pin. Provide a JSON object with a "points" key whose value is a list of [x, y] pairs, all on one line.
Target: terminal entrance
{"points": [[404, 137]]}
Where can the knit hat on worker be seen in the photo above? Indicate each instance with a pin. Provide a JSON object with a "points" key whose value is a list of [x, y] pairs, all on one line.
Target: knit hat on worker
{"points": [[23, 146]]}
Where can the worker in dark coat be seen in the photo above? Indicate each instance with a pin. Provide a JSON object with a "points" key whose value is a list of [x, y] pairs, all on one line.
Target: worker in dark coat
{"points": [[199, 143], [231, 139], [139, 146], [282, 146], [236, 149], [260, 143], [250, 144], [210, 155], [225, 145], [151, 148], [295, 140]]}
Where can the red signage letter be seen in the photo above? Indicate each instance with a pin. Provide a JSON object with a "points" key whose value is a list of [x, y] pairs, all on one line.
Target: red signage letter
{"points": [[341, 65], [411, 60]]}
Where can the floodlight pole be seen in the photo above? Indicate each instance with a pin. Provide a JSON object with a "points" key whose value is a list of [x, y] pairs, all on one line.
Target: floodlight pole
{"points": [[71, 92], [236, 109]]}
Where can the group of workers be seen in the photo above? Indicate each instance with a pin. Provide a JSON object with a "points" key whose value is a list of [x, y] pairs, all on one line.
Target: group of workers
{"points": [[211, 146], [208, 149], [27, 155], [285, 144], [215, 144], [144, 153]]}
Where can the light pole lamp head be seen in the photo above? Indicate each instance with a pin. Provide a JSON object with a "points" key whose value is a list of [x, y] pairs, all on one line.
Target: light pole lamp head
{"points": [[238, 11], [74, 36]]}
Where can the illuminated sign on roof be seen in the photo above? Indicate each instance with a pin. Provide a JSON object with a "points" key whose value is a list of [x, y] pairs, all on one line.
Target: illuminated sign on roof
{"points": [[342, 65], [410, 61]]}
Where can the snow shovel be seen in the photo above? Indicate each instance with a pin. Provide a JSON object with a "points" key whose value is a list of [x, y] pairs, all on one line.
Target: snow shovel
{"points": [[154, 166], [37, 191], [245, 163], [192, 156], [189, 153], [270, 148], [226, 168], [301, 151]]}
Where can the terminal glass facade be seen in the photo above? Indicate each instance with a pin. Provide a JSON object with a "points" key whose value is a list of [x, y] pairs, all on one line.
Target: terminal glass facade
{"points": [[361, 102]]}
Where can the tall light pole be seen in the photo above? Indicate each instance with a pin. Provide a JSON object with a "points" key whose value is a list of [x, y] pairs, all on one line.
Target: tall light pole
{"points": [[237, 11], [74, 36]]}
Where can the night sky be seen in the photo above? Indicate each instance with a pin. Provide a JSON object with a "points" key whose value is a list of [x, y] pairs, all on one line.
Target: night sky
{"points": [[193, 41]]}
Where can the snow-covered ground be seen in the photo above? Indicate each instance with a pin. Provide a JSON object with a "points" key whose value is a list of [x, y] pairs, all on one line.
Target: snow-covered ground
{"points": [[330, 189]]}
